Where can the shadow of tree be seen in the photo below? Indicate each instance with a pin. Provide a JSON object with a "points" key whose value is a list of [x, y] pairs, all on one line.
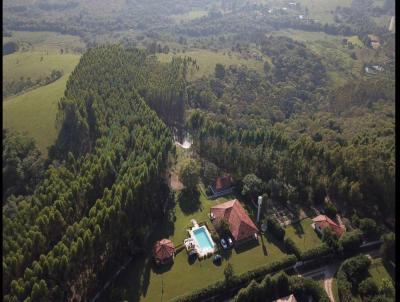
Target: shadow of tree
{"points": [[279, 244], [246, 246], [189, 201], [264, 247], [226, 254], [299, 230], [162, 268]]}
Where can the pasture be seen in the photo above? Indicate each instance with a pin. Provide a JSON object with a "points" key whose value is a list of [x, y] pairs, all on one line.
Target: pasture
{"points": [[34, 111], [206, 59]]}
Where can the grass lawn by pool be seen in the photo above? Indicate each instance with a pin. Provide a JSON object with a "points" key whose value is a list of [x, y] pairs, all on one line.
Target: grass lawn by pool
{"points": [[378, 271], [303, 235], [143, 281]]}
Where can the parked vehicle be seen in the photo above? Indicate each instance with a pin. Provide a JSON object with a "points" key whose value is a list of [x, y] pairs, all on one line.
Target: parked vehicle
{"points": [[223, 243], [230, 241]]}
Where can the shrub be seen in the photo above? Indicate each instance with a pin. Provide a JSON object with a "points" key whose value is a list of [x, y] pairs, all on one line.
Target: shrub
{"points": [[369, 228], [330, 210], [317, 252], [351, 241], [280, 285], [368, 288]]}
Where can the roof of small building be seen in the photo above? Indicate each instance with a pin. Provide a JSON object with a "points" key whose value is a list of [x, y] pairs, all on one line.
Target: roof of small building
{"points": [[290, 298], [163, 249], [240, 224], [324, 221]]}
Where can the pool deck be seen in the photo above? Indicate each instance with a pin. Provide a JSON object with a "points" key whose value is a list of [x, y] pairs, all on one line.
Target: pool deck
{"points": [[201, 251]]}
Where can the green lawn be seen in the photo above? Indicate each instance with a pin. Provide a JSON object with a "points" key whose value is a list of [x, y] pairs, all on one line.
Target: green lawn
{"points": [[335, 290], [144, 282], [378, 271], [35, 112], [303, 235], [36, 64], [207, 59]]}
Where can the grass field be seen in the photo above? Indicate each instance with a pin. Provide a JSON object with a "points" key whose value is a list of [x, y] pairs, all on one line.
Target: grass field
{"points": [[45, 41], [321, 9], [207, 59], [36, 64], [378, 271], [194, 14], [303, 235], [335, 290], [34, 113]]}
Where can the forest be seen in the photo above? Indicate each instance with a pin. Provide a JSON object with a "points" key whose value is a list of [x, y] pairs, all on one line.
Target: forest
{"points": [[103, 180]]}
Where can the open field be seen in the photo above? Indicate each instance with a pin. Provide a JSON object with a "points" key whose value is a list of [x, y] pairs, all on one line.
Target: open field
{"points": [[337, 59], [194, 14], [144, 282], [46, 41], [36, 65], [303, 235], [207, 59], [34, 113]]}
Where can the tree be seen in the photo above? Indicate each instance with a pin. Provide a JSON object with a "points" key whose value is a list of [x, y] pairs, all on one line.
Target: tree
{"points": [[267, 68], [228, 273], [387, 288], [222, 226], [330, 210], [330, 238], [351, 241], [252, 185], [219, 71], [369, 228], [387, 249], [210, 172], [275, 228], [189, 174], [368, 288]]}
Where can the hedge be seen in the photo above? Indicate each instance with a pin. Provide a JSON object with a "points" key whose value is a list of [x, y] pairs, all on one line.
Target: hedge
{"points": [[238, 281], [351, 241], [319, 251], [272, 288]]}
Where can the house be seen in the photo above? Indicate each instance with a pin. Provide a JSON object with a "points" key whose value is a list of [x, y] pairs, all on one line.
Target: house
{"points": [[222, 186], [164, 251], [290, 298], [375, 42], [241, 226], [322, 221]]}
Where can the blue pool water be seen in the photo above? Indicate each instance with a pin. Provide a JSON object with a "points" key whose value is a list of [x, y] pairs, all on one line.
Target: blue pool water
{"points": [[202, 238]]}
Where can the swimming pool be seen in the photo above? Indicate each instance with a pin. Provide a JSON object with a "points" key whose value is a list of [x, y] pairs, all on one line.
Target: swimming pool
{"points": [[204, 242]]}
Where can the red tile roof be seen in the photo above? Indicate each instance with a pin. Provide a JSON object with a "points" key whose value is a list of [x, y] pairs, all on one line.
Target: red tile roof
{"points": [[163, 249], [290, 298], [240, 224], [222, 183], [324, 221]]}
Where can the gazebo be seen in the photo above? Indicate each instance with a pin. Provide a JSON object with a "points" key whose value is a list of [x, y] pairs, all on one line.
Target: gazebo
{"points": [[164, 251]]}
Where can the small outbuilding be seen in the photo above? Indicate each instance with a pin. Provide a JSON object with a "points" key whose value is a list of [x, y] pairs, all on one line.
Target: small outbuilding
{"points": [[322, 221], [164, 251]]}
